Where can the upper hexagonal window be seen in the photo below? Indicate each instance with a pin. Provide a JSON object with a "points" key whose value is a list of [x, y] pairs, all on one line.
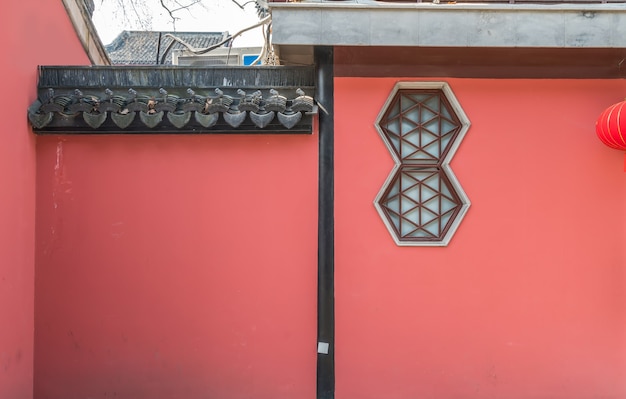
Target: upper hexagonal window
{"points": [[422, 125]]}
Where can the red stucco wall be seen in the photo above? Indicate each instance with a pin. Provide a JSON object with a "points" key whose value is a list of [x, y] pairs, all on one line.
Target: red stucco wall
{"points": [[528, 299], [33, 33], [176, 267]]}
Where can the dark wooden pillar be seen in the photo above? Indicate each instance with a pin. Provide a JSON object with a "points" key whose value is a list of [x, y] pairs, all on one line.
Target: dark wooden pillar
{"points": [[326, 226]]}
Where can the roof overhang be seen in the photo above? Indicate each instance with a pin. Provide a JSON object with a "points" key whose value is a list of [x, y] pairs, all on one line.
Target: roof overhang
{"points": [[127, 100], [372, 23], [299, 25]]}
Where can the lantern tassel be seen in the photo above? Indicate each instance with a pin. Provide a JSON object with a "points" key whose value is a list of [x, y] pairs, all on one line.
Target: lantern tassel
{"points": [[625, 162]]}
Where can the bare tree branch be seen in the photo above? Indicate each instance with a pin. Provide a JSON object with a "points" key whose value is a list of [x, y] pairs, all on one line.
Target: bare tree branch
{"points": [[238, 5], [138, 13], [186, 7]]}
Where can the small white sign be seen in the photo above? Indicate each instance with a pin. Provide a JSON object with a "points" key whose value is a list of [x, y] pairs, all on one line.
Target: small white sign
{"points": [[322, 347]]}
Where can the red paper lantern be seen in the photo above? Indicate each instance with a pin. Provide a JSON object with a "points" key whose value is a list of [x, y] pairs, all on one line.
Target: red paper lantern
{"points": [[611, 127]]}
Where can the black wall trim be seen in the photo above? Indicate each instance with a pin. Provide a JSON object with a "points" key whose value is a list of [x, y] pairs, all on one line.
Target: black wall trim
{"points": [[174, 77], [326, 225]]}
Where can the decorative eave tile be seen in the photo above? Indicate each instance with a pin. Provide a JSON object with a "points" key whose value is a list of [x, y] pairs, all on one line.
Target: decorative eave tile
{"points": [[142, 100]]}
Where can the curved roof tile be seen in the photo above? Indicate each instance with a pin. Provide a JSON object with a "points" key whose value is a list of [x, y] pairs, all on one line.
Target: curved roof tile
{"points": [[146, 48]]}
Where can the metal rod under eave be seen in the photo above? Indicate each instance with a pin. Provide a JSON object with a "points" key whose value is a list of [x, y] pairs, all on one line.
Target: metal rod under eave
{"points": [[326, 227]]}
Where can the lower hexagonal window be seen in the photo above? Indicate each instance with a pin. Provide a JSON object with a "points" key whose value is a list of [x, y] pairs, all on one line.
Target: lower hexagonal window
{"points": [[420, 204]]}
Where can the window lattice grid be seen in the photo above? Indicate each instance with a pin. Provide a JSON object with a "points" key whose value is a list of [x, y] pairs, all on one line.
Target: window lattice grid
{"points": [[420, 126], [421, 204]]}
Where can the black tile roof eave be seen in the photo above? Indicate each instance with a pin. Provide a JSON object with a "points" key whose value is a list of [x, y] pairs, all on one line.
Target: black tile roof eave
{"points": [[174, 100], [101, 77]]}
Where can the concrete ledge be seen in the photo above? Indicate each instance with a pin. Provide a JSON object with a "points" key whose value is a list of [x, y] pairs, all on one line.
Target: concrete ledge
{"points": [[370, 23], [86, 32]]}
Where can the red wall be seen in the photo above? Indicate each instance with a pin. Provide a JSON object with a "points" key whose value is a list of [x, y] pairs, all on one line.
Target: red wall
{"points": [[33, 33], [528, 299], [176, 267]]}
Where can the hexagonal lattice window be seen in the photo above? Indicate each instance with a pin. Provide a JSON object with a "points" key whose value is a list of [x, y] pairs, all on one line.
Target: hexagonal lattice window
{"points": [[422, 124]]}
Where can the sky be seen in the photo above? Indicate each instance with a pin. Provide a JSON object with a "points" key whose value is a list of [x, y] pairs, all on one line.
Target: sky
{"points": [[215, 16]]}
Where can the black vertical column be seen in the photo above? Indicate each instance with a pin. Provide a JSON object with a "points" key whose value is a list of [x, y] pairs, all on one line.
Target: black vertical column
{"points": [[326, 226]]}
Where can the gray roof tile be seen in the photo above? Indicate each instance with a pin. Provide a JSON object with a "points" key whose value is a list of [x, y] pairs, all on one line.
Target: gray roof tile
{"points": [[142, 47]]}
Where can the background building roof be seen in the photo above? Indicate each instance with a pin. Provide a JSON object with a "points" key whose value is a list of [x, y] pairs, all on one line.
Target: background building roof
{"points": [[147, 48]]}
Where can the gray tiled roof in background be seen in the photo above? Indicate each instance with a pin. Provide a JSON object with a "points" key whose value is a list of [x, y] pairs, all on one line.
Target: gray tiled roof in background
{"points": [[142, 47]]}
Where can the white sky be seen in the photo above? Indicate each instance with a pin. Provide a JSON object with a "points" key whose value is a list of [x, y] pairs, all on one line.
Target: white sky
{"points": [[215, 16]]}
